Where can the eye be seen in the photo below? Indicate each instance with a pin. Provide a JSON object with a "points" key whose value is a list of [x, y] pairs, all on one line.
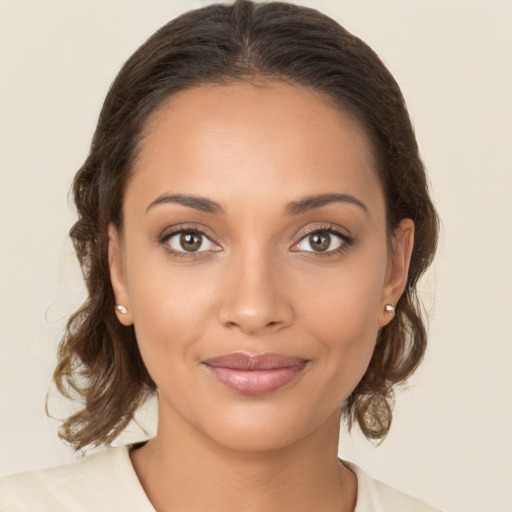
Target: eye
{"points": [[190, 241], [321, 240]]}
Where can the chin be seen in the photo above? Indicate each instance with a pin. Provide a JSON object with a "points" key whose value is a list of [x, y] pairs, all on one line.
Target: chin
{"points": [[256, 439], [266, 428]]}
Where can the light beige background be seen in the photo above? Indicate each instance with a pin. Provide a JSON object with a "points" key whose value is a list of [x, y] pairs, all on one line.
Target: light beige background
{"points": [[450, 443]]}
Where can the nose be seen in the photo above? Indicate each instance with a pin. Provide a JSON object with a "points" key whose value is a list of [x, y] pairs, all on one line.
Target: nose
{"points": [[255, 299]]}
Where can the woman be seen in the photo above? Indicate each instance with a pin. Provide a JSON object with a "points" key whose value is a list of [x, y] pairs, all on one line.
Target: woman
{"points": [[253, 220]]}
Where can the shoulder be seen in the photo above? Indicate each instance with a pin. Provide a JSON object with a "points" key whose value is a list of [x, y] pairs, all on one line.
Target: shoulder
{"points": [[102, 481], [376, 496]]}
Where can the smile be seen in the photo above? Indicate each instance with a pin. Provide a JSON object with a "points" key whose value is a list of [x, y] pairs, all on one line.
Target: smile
{"points": [[255, 374]]}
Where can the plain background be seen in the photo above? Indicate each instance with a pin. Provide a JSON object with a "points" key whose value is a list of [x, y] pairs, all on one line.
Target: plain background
{"points": [[450, 442]]}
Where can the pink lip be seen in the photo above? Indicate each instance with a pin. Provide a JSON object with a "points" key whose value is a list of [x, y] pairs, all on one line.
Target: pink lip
{"points": [[255, 374]]}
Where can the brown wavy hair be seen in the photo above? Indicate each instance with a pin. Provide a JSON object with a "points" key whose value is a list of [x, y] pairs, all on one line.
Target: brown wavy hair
{"points": [[99, 360]]}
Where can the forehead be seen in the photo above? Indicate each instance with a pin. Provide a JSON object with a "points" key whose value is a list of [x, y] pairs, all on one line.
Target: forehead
{"points": [[270, 136]]}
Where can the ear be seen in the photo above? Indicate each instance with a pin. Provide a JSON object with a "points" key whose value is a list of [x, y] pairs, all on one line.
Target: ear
{"points": [[118, 275], [398, 268]]}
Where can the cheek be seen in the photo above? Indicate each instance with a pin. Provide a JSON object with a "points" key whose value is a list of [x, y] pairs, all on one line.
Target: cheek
{"points": [[348, 341], [342, 313], [170, 308], [347, 300]]}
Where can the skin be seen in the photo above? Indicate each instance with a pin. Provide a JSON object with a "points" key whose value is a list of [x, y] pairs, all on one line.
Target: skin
{"points": [[257, 285]]}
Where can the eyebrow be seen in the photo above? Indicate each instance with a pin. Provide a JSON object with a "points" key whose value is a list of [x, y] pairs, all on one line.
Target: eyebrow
{"points": [[311, 202], [204, 204], [198, 203]]}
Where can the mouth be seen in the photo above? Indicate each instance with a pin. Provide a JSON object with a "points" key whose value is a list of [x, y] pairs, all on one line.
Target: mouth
{"points": [[255, 374]]}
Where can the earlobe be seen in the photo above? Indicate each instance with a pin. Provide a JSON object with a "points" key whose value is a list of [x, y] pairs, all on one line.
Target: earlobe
{"points": [[398, 270], [117, 277]]}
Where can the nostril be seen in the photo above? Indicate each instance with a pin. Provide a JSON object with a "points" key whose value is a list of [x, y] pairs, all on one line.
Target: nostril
{"points": [[258, 318]]}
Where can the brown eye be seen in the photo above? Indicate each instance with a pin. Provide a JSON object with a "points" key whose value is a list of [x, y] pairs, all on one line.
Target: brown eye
{"points": [[320, 241], [191, 241]]}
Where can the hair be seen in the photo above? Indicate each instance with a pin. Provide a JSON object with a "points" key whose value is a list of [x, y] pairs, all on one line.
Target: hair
{"points": [[99, 360]]}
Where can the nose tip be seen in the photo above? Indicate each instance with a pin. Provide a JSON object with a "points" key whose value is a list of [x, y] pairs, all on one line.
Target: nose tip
{"points": [[255, 303], [253, 321]]}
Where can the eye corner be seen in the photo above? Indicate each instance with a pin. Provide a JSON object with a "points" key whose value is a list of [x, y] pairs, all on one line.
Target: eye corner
{"points": [[173, 241], [333, 235]]}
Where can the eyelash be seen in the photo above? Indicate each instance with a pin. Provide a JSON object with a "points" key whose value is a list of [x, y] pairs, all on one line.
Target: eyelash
{"points": [[178, 230], [346, 241]]}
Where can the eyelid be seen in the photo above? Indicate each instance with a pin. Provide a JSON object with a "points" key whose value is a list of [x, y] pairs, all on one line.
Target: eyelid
{"points": [[342, 233], [172, 231], [346, 239], [205, 241]]}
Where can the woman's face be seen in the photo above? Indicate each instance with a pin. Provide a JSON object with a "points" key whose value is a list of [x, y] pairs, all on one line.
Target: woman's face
{"points": [[254, 261]]}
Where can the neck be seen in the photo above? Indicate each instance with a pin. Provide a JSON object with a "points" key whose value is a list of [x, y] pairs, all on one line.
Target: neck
{"points": [[182, 469]]}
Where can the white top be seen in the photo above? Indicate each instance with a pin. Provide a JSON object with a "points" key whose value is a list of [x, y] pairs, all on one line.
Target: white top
{"points": [[106, 482]]}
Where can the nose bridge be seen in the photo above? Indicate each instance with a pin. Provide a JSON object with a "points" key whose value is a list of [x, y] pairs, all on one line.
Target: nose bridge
{"points": [[255, 299]]}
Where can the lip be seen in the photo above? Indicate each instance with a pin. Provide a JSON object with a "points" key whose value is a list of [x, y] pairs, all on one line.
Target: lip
{"points": [[255, 374]]}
